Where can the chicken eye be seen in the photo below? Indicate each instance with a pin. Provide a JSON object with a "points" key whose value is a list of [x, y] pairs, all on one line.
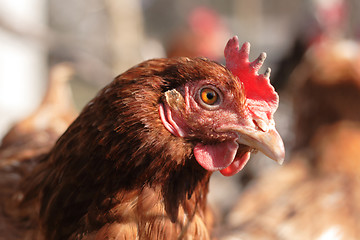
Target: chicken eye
{"points": [[209, 96]]}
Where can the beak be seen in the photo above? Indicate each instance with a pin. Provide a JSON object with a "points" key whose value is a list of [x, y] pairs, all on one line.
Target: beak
{"points": [[268, 142]]}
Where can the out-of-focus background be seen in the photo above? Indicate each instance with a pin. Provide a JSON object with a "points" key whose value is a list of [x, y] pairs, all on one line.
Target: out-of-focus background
{"points": [[100, 39]]}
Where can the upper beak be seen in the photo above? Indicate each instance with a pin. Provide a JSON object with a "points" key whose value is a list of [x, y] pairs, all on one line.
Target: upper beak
{"points": [[268, 142]]}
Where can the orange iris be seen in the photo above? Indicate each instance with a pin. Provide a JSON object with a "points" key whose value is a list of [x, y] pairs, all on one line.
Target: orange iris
{"points": [[209, 96]]}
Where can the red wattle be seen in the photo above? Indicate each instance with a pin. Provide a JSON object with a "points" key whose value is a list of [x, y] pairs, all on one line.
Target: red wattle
{"points": [[214, 157], [236, 166]]}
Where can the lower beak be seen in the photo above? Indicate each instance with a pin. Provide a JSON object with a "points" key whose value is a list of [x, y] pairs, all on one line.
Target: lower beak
{"points": [[269, 142]]}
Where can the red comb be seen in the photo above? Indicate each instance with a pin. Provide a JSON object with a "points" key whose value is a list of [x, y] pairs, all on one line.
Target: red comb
{"points": [[261, 97]]}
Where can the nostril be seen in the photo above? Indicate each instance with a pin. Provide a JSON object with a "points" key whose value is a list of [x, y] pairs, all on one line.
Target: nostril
{"points": [[261, 124]]}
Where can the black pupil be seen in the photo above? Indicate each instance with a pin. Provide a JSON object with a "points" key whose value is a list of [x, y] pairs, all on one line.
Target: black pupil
{"points": [[210, 95]]}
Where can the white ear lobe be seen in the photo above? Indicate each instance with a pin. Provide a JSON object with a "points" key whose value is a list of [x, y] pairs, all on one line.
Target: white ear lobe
{"points": [[174, 99]]}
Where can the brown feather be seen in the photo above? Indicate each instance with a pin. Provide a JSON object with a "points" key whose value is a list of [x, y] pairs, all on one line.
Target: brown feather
{"points": [[117, 168]]}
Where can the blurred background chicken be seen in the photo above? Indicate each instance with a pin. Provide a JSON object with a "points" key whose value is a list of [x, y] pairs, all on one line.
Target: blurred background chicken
{"points": [[32, 137], [310, 198], [50, 119], [202, 35], [325, 20], [326, 87]]}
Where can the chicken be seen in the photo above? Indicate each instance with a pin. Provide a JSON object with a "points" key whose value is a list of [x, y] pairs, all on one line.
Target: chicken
{"points": [[200, 37], [316, 195], [326, 87], [32, 137], [326, 20], [52, 117], [301, 201], [136, 162]]}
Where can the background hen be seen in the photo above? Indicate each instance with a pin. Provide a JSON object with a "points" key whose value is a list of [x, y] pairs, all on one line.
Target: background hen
{"points": [[136, 162], [316, 195], [202, 35], [30, 138], [326, 87]]}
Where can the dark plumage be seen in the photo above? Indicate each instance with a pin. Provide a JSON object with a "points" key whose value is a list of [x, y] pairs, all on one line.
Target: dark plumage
{"points": [[122, 123]]}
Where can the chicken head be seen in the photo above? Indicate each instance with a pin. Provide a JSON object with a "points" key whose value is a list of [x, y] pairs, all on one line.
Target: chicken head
{"points": [[227, 116]]}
